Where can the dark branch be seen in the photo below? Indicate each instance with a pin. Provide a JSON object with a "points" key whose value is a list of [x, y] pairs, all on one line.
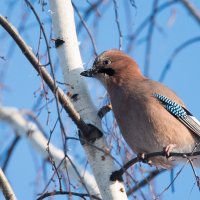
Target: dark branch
{"points": [[54, 193], [50, 62], [63, 99], [192, 10], [104, 110], [10, 151], [117, 175]]}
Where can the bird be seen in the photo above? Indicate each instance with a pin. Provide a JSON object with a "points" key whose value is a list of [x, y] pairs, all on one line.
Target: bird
{"points": [[150, 116]]}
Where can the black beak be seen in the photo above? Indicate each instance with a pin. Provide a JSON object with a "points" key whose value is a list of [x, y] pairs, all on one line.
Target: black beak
{"points": [[89, 73]]}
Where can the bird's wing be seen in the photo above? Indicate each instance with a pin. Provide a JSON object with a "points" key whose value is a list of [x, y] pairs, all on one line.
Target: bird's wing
{"points": [[181, 113]]}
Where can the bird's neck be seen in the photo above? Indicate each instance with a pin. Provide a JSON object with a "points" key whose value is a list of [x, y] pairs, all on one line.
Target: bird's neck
{"points": [[125, 78]]}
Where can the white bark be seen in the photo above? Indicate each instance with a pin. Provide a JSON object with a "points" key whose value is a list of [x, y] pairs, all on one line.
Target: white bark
{"points": [[6, 187], [35, 136], [70, 58], [71, 64]]}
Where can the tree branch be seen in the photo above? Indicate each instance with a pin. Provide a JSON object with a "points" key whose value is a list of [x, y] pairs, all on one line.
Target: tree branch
{"points": [[192, 10], [46, 149], [55, 193], [10, 151], [177, 50], [146, 157], [145, 181], [6, 188], [63, 99], [102, 165]]}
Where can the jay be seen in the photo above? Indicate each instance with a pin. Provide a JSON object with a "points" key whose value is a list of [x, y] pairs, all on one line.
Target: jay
{"points": [[150, 116]]}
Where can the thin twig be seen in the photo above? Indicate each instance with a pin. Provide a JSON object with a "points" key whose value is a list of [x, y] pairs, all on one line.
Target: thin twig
{"points": [[87, 29], [145, 181], [118, 24], [55, 193], [87, 13], [149, 38], [63, 99], [10, 151], [171, 183], [50, 63], [175, 53], [192, 10], [162, 7], [195, 174], [79, 175]]}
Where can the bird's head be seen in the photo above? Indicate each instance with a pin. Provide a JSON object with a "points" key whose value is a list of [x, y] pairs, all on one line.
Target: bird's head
{"points": [[112, 66]]}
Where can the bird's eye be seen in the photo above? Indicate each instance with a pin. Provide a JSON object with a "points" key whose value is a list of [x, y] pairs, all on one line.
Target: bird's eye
{"points": [[106, 62]]}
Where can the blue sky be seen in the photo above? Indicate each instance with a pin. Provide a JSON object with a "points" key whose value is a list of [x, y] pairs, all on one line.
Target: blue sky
{"points": [[22, 82]]}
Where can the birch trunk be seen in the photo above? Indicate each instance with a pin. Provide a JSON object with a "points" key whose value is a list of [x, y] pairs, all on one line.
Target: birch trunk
{"points": [[71, 64]]}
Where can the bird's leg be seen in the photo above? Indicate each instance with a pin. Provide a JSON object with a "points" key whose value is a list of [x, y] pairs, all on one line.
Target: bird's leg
{"points": [[142, 157], [168, 149], [105, 109]]}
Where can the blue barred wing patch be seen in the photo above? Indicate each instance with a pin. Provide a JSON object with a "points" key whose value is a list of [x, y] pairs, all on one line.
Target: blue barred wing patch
{"points": [[174, 108], [180, 113]]}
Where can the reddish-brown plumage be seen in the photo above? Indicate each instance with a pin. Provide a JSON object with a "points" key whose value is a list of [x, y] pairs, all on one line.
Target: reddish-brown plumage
{"points": [[145, 124]]}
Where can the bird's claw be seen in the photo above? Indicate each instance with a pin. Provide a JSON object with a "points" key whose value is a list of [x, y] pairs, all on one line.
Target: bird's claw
{"points": [[142, 157], [168, 149]]}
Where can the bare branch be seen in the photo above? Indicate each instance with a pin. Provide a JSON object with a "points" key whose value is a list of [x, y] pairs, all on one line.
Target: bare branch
{"points": [[88, 12], [171, 183], [149, 38], [104, 110], [50, 63], [195, 174], [192, 10], [87, 29], [146, 157], [175, 53], [6, 188], [63, 99], [71, 65], [10, 151], [40, 143], [145, 181], [147, 20], [118, 24], [55, 193]]}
